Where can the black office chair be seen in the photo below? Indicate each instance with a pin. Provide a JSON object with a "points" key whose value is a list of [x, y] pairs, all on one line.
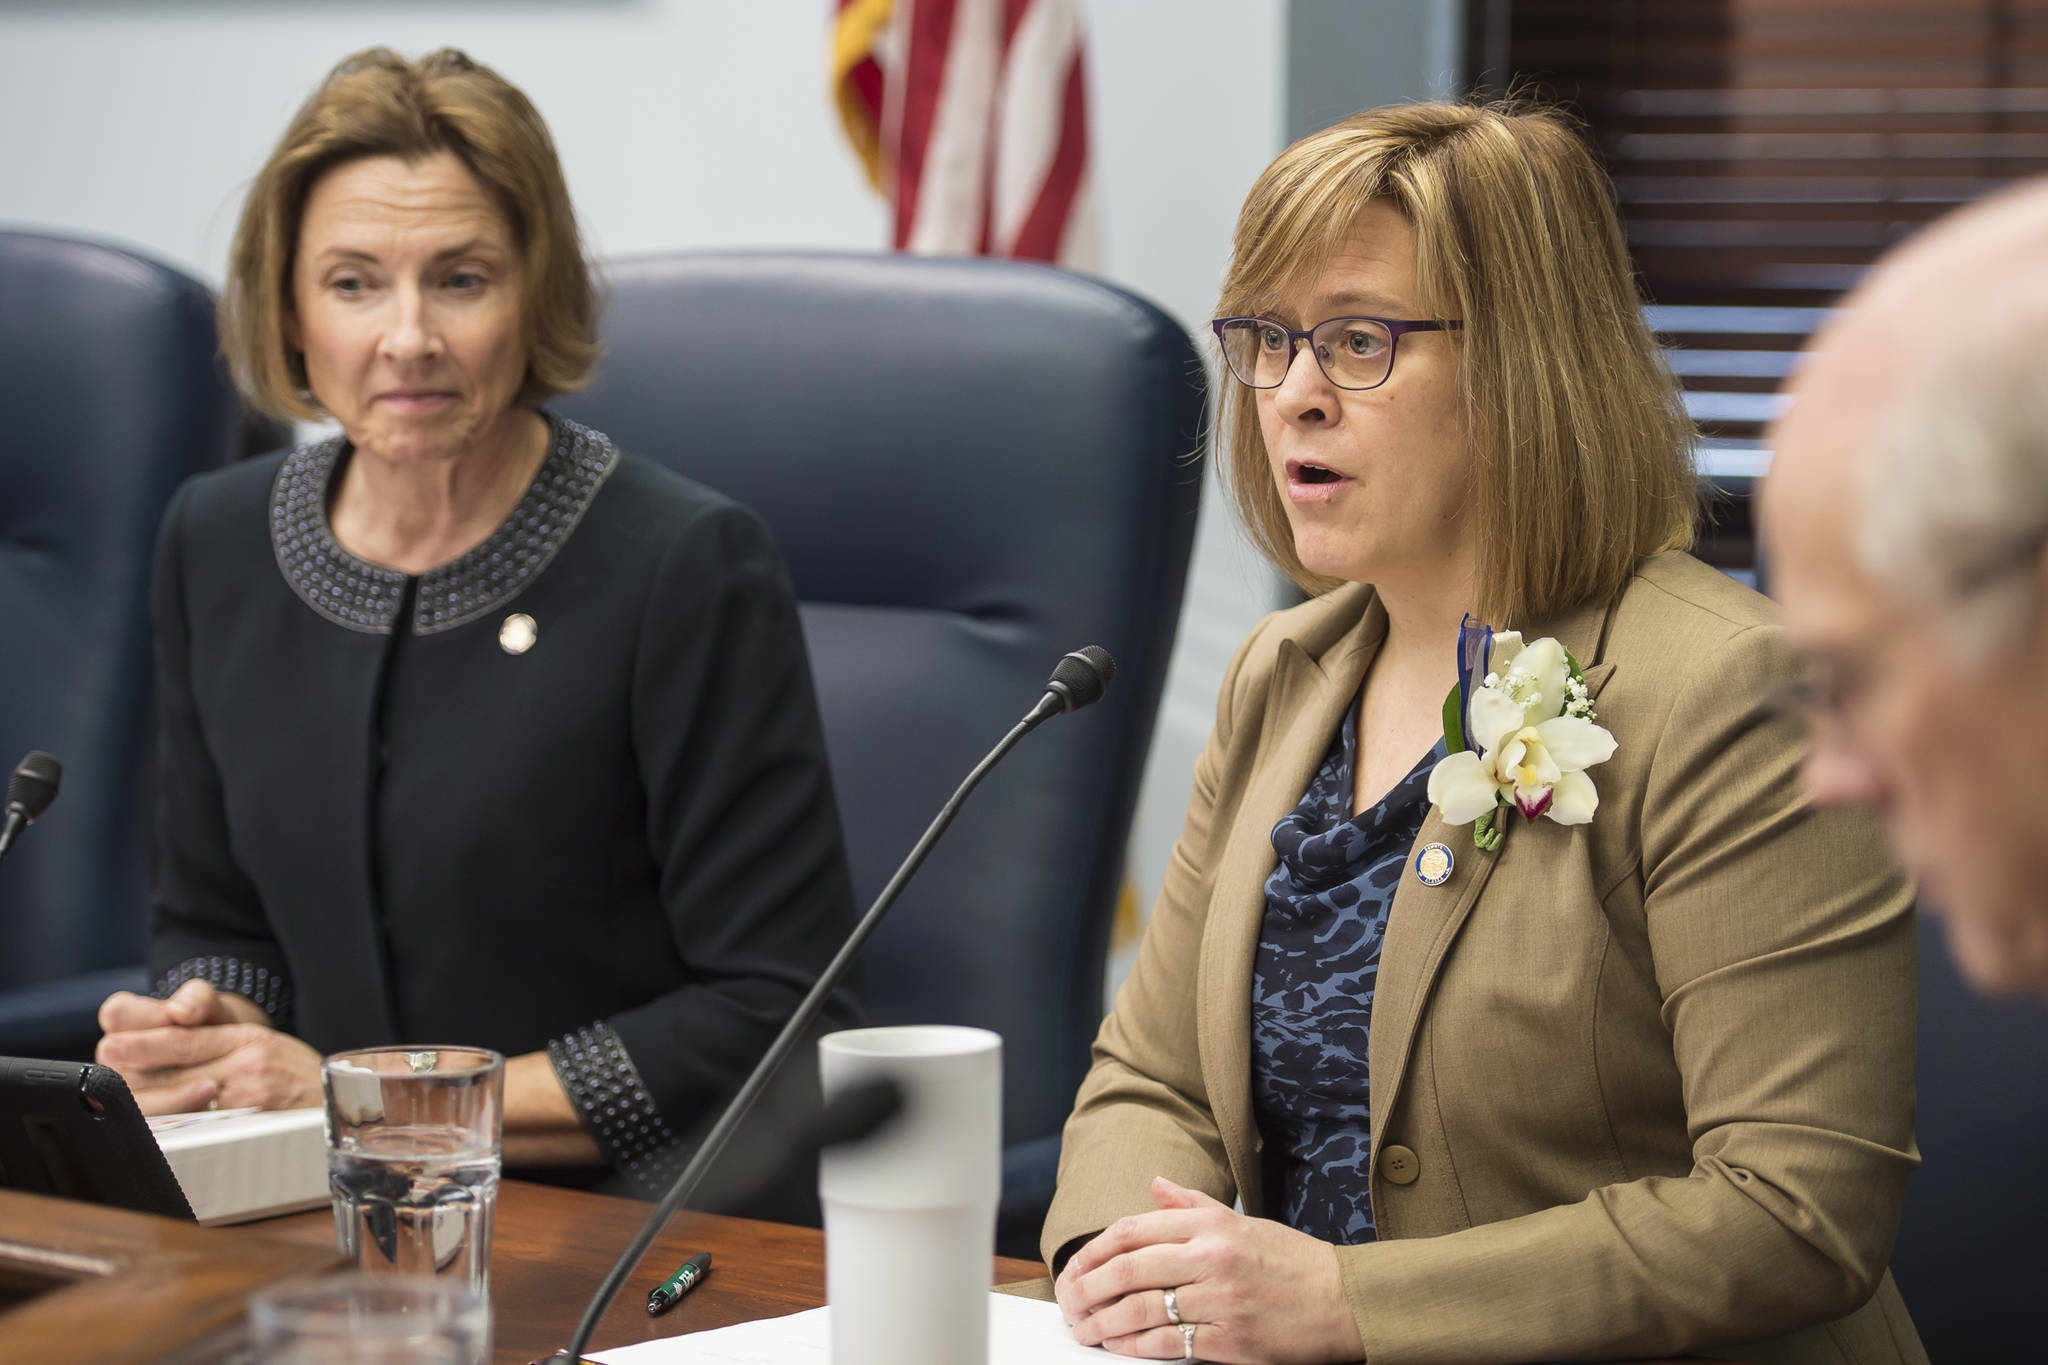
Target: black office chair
{"points": [[1971, 1254], [972, 467], [112, 393]]}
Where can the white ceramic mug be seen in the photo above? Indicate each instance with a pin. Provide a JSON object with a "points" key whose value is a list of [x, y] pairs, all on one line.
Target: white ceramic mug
{"points": [[910, 1213]]}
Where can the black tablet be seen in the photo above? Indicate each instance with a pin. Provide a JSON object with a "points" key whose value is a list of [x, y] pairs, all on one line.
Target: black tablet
{"points": [[71, 1129]]}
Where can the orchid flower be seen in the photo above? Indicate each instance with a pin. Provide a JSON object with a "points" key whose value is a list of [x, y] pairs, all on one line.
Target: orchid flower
{"points": [[1530, 739]]}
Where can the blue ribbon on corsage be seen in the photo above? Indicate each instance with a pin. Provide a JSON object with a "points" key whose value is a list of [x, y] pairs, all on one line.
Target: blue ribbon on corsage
{"points": [[1475, 646]]}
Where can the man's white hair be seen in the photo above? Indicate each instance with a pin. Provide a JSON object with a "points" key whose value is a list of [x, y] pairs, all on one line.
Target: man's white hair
{"points": [[1955, 495]]}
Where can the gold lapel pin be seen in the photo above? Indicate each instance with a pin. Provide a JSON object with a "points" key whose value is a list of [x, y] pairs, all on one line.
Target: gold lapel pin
{"points": [[1433, 865], [518, 634]]}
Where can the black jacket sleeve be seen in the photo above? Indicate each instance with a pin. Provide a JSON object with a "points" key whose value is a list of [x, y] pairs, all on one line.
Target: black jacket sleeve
{"points": [[743, 824], [207, 919]]}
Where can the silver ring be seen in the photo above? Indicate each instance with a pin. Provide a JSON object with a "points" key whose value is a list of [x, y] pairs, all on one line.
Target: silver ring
{"points": [[213, 1104], [1187, 1339], [1172, 1309]]}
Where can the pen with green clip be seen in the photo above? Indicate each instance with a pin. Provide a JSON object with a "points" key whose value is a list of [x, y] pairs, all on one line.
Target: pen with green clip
{"points": [[682, 1282]]}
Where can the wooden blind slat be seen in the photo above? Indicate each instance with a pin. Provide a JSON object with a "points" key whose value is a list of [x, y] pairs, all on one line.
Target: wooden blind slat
{"points": [[1739, 190], [1826, 102], [1766, 152]]}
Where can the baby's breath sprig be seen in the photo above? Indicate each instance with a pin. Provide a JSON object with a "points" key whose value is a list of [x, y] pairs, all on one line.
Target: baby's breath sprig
{"points": [[1577, 702]]}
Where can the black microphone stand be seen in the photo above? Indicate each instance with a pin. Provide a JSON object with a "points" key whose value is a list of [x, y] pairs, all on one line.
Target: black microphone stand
{"points": [[1060, 696]]}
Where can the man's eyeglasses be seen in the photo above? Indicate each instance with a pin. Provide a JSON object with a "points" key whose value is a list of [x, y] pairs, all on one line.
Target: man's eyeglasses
{"points": [[1993, 567], [1355, 353], [1819, 698]]}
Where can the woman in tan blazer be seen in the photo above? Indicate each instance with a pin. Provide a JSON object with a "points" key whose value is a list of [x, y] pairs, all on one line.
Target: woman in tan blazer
{"points": [[1632, 1077]]}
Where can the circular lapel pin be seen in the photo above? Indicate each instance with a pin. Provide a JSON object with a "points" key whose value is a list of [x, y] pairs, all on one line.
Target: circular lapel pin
{"points": [[518, 633], [1433, 865]]}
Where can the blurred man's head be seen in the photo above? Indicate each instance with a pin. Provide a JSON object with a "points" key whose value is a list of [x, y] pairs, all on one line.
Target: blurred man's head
{"points": [[1906, 521]]}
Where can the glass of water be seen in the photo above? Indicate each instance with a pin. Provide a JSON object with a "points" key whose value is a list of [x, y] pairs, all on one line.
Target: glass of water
{"points": [[413, 1142], [359, 1319]]}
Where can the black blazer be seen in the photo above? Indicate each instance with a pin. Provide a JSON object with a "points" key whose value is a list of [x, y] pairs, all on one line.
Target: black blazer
{"points": [[567, 791]]}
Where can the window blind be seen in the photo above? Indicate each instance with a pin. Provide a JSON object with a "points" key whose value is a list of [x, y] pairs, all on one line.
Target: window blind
{"points": [[1765, 152]]}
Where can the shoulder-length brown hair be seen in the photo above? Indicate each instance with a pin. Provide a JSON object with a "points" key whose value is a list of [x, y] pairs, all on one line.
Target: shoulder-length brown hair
{"points": [[1582, 452], [375, 103]]}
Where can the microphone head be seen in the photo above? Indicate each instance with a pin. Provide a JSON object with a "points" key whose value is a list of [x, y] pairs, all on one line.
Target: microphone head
{"points": [[33, 785], [857, 1112], [1082, 676]]}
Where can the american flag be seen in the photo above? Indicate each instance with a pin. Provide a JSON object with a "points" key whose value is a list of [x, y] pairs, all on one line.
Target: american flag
{"points": [[972, 117]]}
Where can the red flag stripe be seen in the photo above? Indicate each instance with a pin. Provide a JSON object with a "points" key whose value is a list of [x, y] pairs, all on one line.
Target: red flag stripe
{"points": [[1013, 15], [1039, 238], [985, 244], [924, 69], [866, 80]]}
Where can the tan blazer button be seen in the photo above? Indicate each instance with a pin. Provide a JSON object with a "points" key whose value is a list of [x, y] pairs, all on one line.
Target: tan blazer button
{"points": [[1399, 1164]]}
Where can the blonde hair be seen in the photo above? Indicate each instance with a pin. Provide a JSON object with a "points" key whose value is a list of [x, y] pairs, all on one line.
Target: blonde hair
{"points": [[375, 103], [1582, 452]]}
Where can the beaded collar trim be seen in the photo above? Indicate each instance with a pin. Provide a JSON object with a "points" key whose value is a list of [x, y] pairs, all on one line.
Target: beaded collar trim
{"points": [[366, 597]]}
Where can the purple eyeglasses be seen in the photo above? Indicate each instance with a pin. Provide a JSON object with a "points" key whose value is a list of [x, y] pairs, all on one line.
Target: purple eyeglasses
{"points": [[1355, 353]]}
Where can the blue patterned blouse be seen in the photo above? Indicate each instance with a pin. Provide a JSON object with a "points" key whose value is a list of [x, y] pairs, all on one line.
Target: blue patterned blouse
{"points": [[1312, 987]]}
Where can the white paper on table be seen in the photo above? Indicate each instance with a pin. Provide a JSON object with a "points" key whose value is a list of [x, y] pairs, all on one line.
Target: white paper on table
{"points": [[1020, 1332], [171, 1123], [239, 1165]]}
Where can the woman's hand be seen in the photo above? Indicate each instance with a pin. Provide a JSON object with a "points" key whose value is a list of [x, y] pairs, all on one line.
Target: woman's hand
{"points": [[192, 1004], [201, 1046], [541, 1127], [1259, 1292]]}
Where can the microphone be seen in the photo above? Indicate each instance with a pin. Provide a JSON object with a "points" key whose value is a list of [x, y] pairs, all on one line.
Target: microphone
{"points": [[1079, 679], [30, 791], [853, 1115]]}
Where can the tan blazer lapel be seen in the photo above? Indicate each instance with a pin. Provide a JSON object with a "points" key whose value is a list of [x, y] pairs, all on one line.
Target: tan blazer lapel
{"points": [[1304, 706], [1424, 921], [1421, 924]]}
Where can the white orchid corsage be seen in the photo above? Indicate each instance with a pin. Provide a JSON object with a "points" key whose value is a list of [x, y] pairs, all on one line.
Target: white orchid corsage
{"points": [[1519, 727]]}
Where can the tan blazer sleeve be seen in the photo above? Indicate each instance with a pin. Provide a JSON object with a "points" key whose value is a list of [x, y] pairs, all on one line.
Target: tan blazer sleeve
{"points": [[1143, 1110], [1784, 952]]}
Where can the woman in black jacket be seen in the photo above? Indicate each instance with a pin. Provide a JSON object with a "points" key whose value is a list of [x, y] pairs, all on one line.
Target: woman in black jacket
{"points": [[472, 728]]}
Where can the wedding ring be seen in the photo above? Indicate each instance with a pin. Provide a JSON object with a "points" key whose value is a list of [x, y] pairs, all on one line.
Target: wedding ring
{"points": [[213, 1104], [1172, 1309], [1187, 1339]]}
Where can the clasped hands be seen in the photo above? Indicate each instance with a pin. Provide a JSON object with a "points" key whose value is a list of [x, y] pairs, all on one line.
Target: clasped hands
{"points": [[202, 1046], [1258, 1291]]}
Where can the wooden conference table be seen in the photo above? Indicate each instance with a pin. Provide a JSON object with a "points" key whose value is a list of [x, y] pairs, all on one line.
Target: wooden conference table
{"points": [[551, 1246], [83, 1283]]}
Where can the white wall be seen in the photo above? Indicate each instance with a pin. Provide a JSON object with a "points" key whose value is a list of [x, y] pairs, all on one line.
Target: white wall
{"points": [[1192, 111], [1347, 55], [681, 123]]}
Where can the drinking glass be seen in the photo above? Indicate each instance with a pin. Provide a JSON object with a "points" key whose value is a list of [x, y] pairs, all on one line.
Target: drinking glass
{"points": [[414, 1136], [362, 1319]]}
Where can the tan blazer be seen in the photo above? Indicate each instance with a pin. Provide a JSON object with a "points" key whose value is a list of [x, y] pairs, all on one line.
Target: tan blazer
{"points": [[1639, 1087]]}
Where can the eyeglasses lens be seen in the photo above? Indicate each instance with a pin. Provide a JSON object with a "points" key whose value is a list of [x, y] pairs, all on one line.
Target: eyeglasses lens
{"points": [[1355, 353]]}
